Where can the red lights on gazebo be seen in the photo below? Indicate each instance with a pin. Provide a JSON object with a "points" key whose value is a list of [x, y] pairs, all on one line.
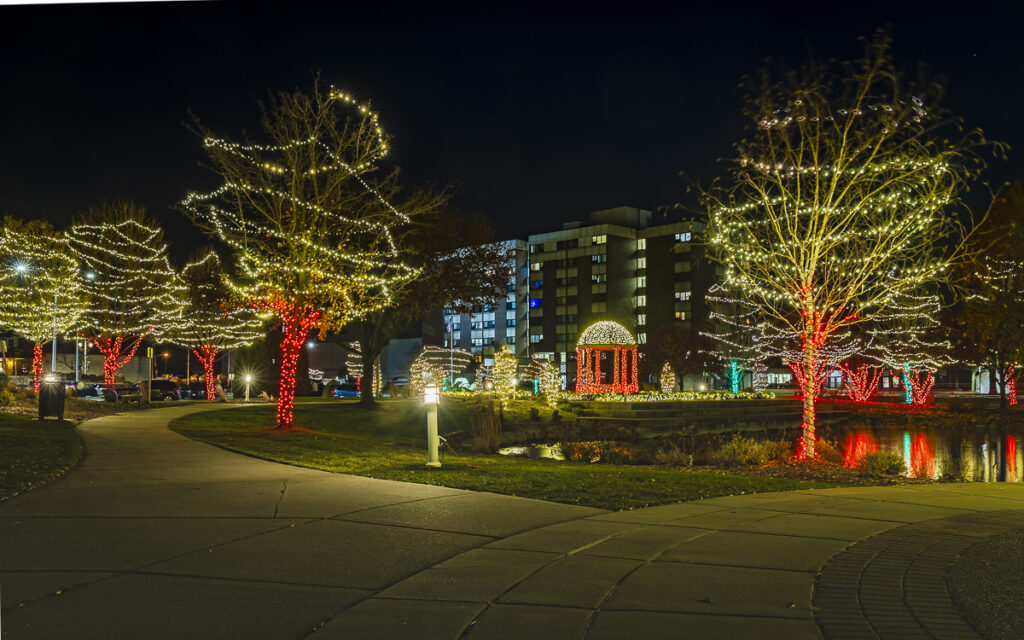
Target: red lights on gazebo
{"points": [[603, 342]]}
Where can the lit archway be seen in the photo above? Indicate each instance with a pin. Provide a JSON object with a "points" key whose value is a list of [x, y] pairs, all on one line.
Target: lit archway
{"points": [[600, 343]]}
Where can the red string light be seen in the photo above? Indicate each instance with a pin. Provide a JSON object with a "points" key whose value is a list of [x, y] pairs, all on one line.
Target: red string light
{"points": [[1011, 386], [207, 354], [37, 365], [115, 355], [921, 384], [296, 324], [861, 384]]}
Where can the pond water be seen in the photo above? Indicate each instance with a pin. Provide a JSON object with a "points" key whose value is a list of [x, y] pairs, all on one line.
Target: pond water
{"points": [[933, 453]]}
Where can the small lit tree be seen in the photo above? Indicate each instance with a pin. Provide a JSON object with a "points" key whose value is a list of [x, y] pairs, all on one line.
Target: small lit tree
{"points": [[354, 365], [735, 329], [668, 379], [504, 374], [133, 292], [308, 217], [41, 293], [212, 322], [844, 179], [547, 376]]}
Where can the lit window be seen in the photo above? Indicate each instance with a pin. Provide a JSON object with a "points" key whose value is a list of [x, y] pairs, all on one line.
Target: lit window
{"points": [[683, 237], [641, 263], [641, 319], [641, 301], [537, 266], [682, 295], [535, 302], [681, 315], [641, 244], [599, 239], [537, 338], [641, 282]]}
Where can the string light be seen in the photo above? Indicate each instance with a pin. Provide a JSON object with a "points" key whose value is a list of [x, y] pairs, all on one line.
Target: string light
{"points": [[213, 323], [41, 292], [668, 378], [312, 237], [602, 338], [504, 374], [550, 384], [133, 292], [354, 362]]}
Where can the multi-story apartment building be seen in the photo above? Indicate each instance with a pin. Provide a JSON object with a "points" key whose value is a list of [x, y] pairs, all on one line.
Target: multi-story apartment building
{"points": [[616, 267], [485, 329]]}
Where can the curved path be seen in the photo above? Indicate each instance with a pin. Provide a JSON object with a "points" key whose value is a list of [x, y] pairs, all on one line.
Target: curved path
{"points": [[158, 536]]}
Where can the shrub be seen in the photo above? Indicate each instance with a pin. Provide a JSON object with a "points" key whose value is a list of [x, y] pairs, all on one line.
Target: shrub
{"points": [[881, 463], [607, 452], [7, 399], [741, 451], [556, 417], [534, 414], [827, 451], [673, 455], [778, 450]]}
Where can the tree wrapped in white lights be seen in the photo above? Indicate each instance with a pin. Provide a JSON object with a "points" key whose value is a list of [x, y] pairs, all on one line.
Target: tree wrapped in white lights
{"points": [[735, 331], [906, 339], [354, 364], [843, 181], [447, 361], [504, 375], [213, 321], [546, 374], [41, 293], [668, 379], [308, 216], [132, 289]]}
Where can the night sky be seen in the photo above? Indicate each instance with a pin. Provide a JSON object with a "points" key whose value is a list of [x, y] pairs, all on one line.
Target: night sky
{"points": [[535, 114]]}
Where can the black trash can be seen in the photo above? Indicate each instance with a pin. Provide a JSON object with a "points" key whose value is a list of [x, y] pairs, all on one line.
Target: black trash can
{"points": [[51, 397]]}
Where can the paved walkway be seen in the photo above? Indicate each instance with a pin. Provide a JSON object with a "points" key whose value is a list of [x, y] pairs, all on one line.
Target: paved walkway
{"points": [[158, 536]]}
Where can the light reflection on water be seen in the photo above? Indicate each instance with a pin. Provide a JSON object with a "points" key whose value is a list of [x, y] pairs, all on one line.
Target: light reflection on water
{"points": [[928, 453]]}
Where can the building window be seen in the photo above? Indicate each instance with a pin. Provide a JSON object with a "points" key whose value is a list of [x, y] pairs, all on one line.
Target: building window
{"points": [[641, 301], [510, 305], [536, 266], [510, 322], [567, 244], [641, 338], [641, 319], [599, 240], [641, 282], [641, 263], [682, 315], [684, 237], [598, 277], [537, 338], [536, 248], [641, 244], [536, 302], [682, 295], [599, 258]]}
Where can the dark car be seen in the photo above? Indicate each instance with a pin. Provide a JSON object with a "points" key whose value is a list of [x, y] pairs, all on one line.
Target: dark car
{"points": [[195, 390], [163, 390]]}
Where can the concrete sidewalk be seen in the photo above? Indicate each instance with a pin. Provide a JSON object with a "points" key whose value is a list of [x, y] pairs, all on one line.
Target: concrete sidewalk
{"points": [[155, 536]]}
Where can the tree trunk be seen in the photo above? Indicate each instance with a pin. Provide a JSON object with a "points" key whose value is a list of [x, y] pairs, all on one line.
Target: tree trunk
{"points": [[295, 325], [37, 365], [806, 447], [207, 354], [115, 355], [370, 344]]}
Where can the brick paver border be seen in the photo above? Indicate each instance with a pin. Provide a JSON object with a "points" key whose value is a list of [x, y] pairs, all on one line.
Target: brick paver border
{"points": [[894, 584]]}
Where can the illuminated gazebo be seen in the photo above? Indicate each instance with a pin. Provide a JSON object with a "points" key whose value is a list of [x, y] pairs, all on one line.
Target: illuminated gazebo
{"points": [[613, 346]]}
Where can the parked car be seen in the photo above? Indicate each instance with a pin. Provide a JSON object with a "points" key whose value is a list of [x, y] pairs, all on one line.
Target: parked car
{"points": [[346, 390], [163, 390], [122, 391], [195, 391]]}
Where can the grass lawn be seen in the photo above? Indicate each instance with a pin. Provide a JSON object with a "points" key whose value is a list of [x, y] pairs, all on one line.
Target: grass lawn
{"points": [[33, 453], [390, 443]]}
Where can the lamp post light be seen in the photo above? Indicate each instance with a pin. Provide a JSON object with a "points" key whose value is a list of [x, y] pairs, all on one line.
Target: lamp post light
{"points": [[431, 397], [248, 380]]}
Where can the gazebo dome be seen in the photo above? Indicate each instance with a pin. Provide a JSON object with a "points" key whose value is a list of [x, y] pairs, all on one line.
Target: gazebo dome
{"points": [[606, 333]]}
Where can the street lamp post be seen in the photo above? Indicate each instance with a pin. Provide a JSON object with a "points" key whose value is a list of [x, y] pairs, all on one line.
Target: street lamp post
{"points": [[431, 397], [248, 379]]}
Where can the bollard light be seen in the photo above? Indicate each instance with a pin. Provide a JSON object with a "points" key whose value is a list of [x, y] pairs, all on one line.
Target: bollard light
{"points": [[49, 378], [430, 394], [431, 397]]}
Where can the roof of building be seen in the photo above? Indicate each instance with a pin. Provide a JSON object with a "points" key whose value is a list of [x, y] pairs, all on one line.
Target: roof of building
{"points": [[606, 332]]}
